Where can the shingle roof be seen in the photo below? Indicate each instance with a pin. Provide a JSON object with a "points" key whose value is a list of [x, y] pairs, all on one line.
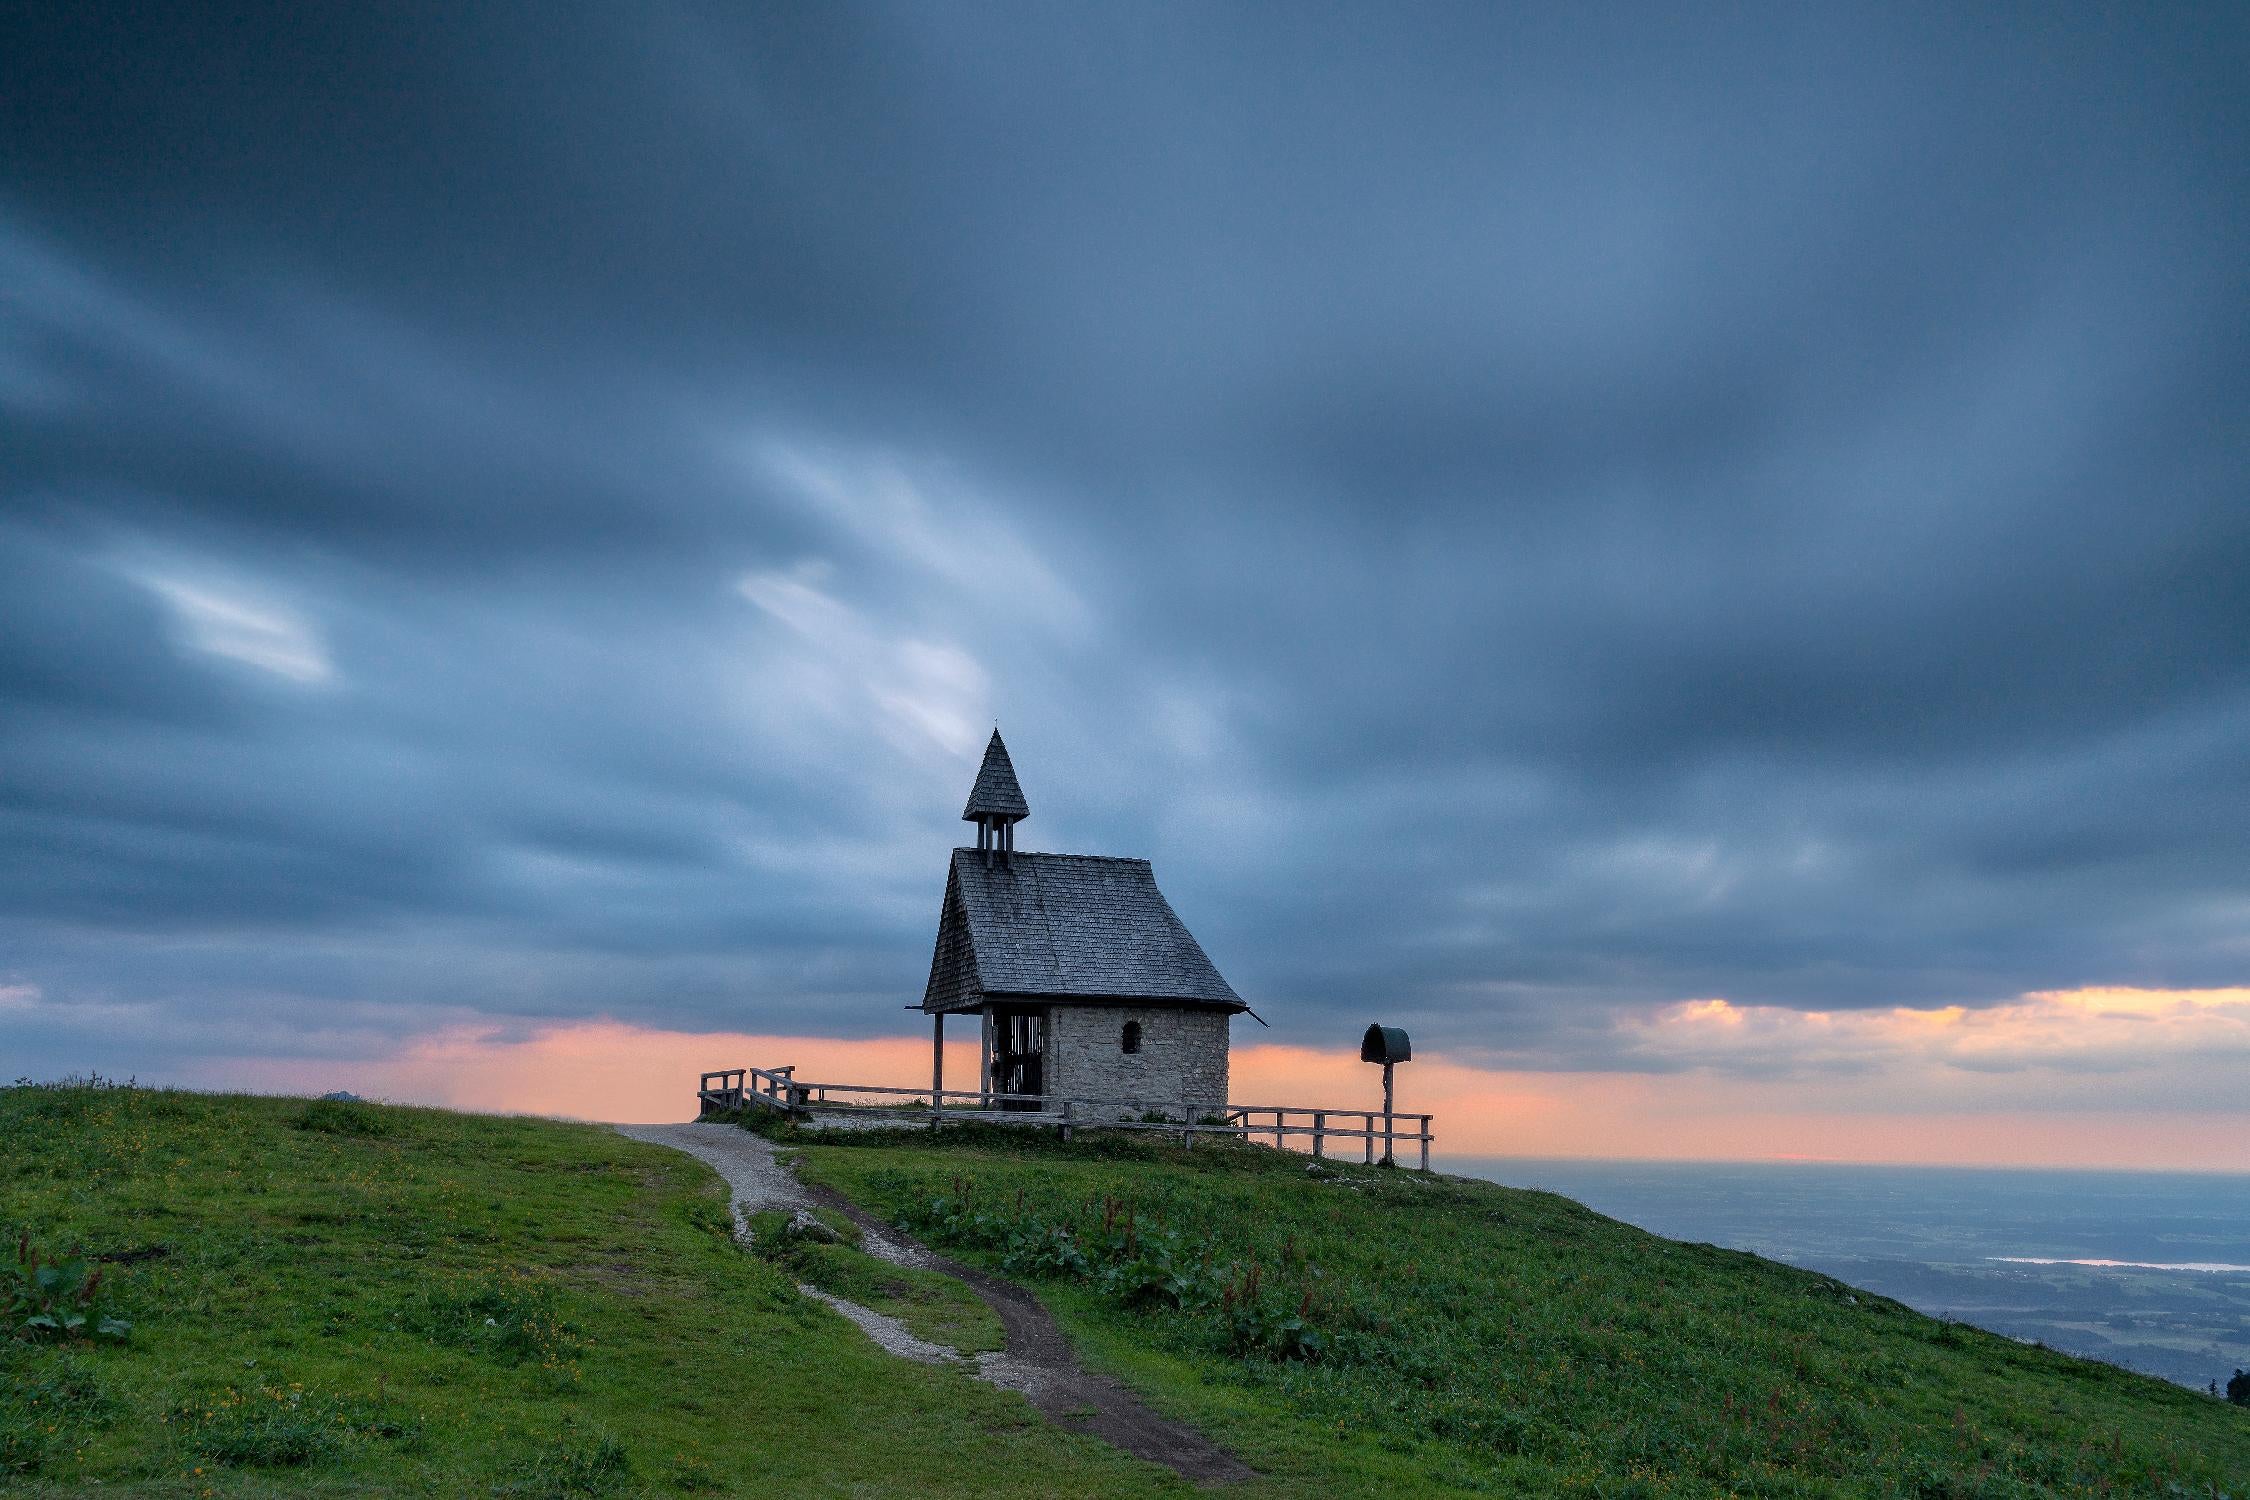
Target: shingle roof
{"points": [[1080, 926], [996, 793]]}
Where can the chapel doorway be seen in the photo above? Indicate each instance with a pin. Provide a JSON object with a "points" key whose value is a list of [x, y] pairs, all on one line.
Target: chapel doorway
{"points": [[1019, 1056]]}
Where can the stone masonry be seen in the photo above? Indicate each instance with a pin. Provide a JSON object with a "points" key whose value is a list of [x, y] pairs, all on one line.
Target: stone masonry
{"points": [[1182, 1056]]}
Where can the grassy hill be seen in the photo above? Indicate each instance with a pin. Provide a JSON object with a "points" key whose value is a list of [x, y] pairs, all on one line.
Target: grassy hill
{"points": [[360, 1300], [356, 1300], [1480, 1339]]}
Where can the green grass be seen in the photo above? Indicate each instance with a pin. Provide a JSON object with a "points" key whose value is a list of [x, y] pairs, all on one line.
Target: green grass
{"points": [[342, 1299], [934, 1308], [1481, 1339], [358, 1300]]}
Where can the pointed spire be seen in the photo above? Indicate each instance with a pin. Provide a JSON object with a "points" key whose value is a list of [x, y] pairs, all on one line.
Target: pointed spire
{"points": [[996, 798]]}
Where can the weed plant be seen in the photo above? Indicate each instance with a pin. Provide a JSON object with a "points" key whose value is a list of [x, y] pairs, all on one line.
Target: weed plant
{"points": [[1143, 1267], [47, 1298]]}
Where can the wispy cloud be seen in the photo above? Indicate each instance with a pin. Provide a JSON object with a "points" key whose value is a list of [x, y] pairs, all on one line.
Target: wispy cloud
{"points": [[927, 521], [240, 628], [839, 664], [2102, 1048]]}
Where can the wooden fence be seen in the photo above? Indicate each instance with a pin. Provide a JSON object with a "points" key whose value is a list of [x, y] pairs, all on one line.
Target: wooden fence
{"points": [[1283, 1126]]}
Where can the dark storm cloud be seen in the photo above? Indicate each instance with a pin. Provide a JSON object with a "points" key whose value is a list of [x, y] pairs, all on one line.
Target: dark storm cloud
{"points": [[1527, 518]]}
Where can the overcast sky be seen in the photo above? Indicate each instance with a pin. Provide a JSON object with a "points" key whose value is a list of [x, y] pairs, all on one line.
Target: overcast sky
{"points": [[1528, 516]]}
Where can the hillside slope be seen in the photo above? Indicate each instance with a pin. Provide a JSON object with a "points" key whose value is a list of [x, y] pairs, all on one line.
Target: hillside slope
{"points": [[1476, 1338], [354, 1300]]}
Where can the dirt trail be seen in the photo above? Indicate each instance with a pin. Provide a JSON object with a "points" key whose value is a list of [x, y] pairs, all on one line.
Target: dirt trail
{"points": [[1037, 1360]]}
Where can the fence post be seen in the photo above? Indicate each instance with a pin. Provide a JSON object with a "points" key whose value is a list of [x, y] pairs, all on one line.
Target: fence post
{"points": [[1187, 1123], [1370, 1122], [1319, 1133], [1425, 1143], [1070, 1112]]}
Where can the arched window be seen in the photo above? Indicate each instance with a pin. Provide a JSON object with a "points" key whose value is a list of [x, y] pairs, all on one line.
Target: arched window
{"points": [[1132, 1036]]}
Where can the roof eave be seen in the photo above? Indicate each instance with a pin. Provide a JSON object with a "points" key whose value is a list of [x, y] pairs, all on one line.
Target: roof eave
{"points": [[1199, 1002]]}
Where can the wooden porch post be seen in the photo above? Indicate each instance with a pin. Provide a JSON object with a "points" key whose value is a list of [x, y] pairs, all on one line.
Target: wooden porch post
{"points": [[984, 1068], [937, 1063]]}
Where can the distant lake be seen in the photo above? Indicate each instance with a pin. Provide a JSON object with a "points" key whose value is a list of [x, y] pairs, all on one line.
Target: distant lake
{"points": [[2147, 1269]]}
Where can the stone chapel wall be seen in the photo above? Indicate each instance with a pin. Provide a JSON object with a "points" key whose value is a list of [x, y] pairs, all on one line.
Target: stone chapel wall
{"points": [[1183, 1053]]}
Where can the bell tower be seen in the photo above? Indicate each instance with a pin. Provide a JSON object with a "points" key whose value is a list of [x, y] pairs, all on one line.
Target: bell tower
{"points": [[996, 802]]}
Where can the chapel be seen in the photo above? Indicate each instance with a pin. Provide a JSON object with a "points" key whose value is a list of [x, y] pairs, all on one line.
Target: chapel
{"points": [[1087, 985]]}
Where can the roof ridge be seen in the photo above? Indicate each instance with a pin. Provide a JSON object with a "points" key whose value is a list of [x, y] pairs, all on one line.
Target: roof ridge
{"points": [[1111, 859]]}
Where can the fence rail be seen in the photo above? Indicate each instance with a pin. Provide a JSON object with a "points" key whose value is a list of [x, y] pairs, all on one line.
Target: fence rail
{"points": [[1280, 1125]]}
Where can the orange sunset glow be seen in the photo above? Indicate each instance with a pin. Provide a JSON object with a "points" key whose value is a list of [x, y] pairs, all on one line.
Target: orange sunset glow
{"points": [[2006, 1085]]}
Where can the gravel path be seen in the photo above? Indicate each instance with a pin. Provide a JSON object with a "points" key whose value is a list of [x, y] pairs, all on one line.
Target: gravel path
{"points": [[1037, 1360], [756, 1181]]}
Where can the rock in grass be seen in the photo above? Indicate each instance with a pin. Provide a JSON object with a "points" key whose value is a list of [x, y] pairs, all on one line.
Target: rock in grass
{"points": [[804, 1225]]}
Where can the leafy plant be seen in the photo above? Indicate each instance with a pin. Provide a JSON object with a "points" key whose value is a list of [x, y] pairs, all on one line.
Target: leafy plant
{"points": [[512, 1317], [592, 1466], [1257, 1324], [58, 1299], [43, 1407], [344, 1117], [1039, 1249], [694, 1475], [1147, 1269], [277, 1426], [74, 1083], [258, 1435], [23, 1447]]}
